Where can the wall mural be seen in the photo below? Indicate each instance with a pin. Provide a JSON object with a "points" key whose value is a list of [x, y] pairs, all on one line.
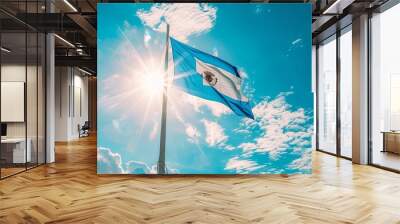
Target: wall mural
{"points": [[204, 88]]}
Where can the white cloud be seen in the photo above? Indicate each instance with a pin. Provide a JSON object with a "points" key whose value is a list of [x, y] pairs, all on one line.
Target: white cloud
{"points": [[241, 131], [146, 38], [108, 162], [282, 127], [214, 133], [137, 167], [241, 166], [184, 19], [304, 163], [217, 109], [153, 169], [229, 147], [192, 133]]}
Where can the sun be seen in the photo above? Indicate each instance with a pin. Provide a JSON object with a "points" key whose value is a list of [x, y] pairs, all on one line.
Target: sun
{"points": [[153, 82]]}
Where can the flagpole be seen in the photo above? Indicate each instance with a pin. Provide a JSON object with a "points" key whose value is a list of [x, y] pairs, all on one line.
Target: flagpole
{"points": [[161, 168]]}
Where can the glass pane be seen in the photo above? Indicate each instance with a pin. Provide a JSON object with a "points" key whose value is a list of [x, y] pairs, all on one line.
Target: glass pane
{"points": [[385, 94], [327, 96], [22, 102], [346, 94], [31, 100], [41, 98], [13, 86], [31, 86]]}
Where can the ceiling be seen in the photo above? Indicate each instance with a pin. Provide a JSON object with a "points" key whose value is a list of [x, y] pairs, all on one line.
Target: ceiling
{"points": [[75, 22]]}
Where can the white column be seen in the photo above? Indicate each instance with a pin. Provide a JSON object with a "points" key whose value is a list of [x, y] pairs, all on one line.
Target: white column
{"points": [[360, 90], [50, 92], [50, 99]]}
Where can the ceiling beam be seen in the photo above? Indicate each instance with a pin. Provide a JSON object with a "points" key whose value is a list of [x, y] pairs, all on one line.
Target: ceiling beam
{"points": [[77, 61], [337, 6], [85, 25]]}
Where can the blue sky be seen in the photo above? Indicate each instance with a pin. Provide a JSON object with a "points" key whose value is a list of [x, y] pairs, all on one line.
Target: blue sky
{"points": [[271, 46]]}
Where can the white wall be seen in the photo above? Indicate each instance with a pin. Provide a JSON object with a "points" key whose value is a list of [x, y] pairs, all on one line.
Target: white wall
{"points": [[16, 73], [70, 84], [9, 73], [80, 94], [62, 81], [13, 101]]}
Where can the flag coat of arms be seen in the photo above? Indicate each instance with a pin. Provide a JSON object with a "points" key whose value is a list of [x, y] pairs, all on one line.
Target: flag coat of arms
{"points": [[209, 77]]}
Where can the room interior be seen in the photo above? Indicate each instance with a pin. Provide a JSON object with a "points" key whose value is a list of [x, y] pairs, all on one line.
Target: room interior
{"points": [[49, 92], [22, 102]]}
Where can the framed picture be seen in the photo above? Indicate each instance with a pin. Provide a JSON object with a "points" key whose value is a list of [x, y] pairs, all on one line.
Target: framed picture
{"points": [[201, 88]]}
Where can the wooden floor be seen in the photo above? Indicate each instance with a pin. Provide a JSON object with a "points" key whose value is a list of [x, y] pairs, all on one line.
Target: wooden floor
{"points": [[9, 171], [5, 172], [69, 191], [386, 159]]}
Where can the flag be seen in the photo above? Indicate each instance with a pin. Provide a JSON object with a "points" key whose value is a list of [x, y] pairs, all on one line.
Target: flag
{"points": [[208, 77]]}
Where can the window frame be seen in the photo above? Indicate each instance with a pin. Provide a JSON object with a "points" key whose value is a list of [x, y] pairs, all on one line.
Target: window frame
{"points": [[337, 34]]}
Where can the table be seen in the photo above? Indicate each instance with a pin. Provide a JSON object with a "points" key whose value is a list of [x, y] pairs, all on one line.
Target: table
{"points": [[17, 149], [391, 141]]}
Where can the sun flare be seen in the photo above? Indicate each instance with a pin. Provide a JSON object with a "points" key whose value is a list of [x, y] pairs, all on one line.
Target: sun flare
{"points": [[153, 82]]}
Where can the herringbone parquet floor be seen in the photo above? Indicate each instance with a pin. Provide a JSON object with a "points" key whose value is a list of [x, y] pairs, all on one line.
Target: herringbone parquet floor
{"points": [[69, 191]]}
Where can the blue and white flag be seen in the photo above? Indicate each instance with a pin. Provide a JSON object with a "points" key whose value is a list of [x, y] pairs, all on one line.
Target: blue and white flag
{"points": [[209, 77]]}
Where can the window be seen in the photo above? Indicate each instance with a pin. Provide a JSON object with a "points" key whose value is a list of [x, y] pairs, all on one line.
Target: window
{"points": [[334, 106], [327, 95], [346, 92], [22, 88], [385, 89]]}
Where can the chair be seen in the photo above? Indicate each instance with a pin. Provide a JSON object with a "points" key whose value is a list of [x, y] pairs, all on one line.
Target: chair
{"points": [[84, 130]]}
